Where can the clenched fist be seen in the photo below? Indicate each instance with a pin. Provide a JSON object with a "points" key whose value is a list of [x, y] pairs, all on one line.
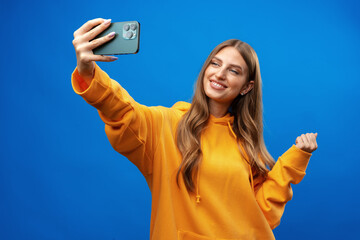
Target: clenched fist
{"points": [[307, 142]]}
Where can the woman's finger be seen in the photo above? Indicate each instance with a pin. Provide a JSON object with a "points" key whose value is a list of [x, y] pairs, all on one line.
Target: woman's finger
{"points": [[99, 41], [101, 58], [305, 140], [89, 46], [299, 142], [88, 26], [315, 142], [311, 138], [91, 34]]}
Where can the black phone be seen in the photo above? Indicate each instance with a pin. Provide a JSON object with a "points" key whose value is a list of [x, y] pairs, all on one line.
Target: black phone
{"points": [[126, 40]]}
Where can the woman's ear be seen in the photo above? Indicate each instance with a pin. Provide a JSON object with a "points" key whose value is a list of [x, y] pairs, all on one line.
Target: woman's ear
{"points": [[247, 88]]}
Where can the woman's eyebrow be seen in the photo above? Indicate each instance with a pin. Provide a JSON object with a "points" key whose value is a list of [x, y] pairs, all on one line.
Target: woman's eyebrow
{"points": [[233, 65]]}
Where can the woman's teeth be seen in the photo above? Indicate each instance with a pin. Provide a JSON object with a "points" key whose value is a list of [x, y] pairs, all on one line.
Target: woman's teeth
{"points": [[217, 85]]}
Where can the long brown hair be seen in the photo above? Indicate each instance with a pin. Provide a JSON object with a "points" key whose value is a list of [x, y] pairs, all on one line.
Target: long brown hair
{"points": [[248, 122]]}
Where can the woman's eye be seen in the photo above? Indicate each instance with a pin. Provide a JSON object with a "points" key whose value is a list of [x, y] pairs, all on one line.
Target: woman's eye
{"points": [[214, 63], [234, 71]]}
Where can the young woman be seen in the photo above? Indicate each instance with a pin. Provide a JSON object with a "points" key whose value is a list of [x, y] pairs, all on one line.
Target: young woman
{"points": [[206, 164]]}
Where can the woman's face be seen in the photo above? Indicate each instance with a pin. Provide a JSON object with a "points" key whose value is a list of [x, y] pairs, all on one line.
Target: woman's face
{"points": [[226, 77]]}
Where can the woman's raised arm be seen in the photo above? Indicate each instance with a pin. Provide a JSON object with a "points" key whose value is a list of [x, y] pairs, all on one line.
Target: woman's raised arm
{"points": [[133, 129], [276, 190]]}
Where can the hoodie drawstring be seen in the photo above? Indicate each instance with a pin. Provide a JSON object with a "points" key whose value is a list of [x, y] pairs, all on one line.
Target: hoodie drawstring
{"points": [[231, 130], [197, 187], [251, 178]]}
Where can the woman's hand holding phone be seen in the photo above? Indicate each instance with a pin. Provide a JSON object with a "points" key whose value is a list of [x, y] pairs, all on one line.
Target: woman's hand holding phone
{"points": [[84, 44]]}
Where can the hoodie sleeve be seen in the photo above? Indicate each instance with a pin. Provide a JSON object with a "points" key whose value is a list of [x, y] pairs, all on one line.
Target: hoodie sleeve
{"points": [[276, 191], [129, 126]]}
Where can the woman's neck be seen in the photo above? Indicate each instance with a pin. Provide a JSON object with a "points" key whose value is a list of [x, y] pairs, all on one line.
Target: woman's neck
{"points": [[217, 109]]}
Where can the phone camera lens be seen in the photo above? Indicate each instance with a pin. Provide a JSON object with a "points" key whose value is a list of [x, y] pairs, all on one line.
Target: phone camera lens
{"points": [[129, 35], [126, 27], [133, 26]]}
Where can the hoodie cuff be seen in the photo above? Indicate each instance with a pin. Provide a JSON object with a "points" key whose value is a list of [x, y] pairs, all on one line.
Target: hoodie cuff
{"points": [[98, 87], [78, 83], [296, 158]]}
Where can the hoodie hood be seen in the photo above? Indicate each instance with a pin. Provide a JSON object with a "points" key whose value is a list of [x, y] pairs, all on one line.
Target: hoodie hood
{"points": [[225, 120]]}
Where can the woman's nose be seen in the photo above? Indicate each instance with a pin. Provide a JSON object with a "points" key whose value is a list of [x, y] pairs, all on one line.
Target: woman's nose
{"points": [[220, 74]]}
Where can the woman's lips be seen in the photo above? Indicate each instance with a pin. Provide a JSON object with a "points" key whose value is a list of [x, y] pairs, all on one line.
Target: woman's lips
{"points": [[216, 85]]}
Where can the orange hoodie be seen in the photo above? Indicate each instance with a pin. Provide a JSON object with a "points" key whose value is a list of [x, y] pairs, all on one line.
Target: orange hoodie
{"points": [[225, 205]]}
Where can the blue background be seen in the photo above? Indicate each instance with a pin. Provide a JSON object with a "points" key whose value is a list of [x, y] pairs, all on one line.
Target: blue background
{"points": [[59, 176]]}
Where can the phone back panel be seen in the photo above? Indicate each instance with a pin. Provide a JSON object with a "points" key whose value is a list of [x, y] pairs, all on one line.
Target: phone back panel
{"points": [[126, 40]]}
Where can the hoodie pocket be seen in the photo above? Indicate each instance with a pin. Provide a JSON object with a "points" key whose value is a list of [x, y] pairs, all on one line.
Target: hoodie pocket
{"points": [[186, 235]]}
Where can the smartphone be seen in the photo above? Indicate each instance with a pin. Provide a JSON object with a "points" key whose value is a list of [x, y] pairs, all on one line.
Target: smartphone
{"points": [[126, 40]]}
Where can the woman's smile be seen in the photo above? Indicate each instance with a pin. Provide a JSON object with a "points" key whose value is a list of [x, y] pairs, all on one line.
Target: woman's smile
{"points": [[217, 85]]}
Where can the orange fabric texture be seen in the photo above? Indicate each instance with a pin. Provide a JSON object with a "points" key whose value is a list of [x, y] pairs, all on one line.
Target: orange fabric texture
{"points": [[228, 207]]}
